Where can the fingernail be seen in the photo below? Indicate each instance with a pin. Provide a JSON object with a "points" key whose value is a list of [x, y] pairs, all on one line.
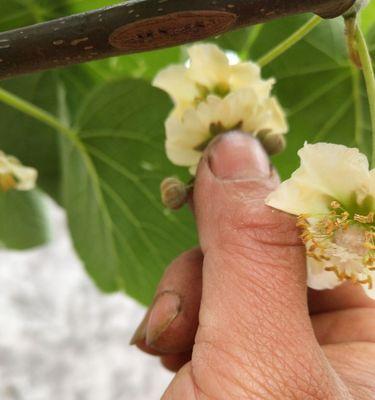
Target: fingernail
{"points": [[236, 155], [166, 308], [140, 333]]}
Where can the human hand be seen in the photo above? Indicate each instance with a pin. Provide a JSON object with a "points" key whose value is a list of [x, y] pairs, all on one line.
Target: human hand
{"points": [[235, 319]]}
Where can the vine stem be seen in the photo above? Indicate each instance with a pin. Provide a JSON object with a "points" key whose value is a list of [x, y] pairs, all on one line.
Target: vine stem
{"points": [[50, 120], [290, 41], [250, 40], [140, 25], [368, 73], [358, 108], [35, 112]]}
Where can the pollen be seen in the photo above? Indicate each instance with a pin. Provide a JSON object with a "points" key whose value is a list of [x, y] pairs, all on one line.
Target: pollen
{"points": [[365, 219], [341, 243]]}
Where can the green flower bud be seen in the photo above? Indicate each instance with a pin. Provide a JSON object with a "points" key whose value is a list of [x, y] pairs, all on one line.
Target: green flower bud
{"points": [[272, 143]]}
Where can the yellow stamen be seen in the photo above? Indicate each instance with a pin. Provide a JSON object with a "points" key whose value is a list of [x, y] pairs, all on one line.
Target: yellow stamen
{"points": [[335, 205], [369, 246], [7, 182], [365, 219]]}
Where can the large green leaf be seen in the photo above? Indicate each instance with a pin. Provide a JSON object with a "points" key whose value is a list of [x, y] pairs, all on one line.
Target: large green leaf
{"points": [[112, 171], [368, 16], [34, 143], [318, 87], [16, 13], [23, 223]]}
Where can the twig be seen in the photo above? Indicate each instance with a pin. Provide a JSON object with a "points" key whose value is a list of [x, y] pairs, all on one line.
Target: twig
{"points": [[140, 25]]}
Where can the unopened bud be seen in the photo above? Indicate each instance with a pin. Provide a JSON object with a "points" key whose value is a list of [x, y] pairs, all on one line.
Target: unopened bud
{"points": [[174, 193], [272, 143]]}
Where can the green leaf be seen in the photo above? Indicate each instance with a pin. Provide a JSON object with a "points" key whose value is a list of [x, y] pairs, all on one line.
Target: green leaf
{"points": [[140, 65], [16, 13], [87, 5], [237, 40], [317, 86], [23, 223], [112, 172], [368, 16], [34, 143]]}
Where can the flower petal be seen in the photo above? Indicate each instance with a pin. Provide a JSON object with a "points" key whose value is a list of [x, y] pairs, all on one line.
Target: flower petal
{"points": [[295, 198], [209, 65], [319, 279], [182, 155], [245, 75], [372, 183], [26, 178], [193, 169], [327, 172], [276, 121], [370, 292], [175, 81], [187, 129], [336, 170]]}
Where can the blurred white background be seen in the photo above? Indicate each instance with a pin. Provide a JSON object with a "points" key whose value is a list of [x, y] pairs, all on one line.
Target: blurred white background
{"points": [[60, 338]]}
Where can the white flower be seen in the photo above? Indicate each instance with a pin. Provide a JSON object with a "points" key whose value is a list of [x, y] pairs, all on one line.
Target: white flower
{"points": [[188, 136], [333, 194], [13, 175], [209, 72], [212, 96]]}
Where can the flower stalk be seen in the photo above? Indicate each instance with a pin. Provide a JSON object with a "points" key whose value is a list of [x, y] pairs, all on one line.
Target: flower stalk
{"points": [[351, 41], [285, 45], [368, 73]]}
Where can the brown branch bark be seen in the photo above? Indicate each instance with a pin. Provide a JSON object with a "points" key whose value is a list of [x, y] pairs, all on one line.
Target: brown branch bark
{"points": [[140, 25]]}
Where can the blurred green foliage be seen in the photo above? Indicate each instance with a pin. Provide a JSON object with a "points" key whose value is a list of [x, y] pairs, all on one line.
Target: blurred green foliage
{"points": [[107, 175]]}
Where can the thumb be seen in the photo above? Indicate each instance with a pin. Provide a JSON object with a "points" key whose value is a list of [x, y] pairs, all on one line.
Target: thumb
{"points": [[255, 328]]}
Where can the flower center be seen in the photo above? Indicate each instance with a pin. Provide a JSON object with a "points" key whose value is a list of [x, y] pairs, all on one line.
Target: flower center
{"points": [[351, 239], [7, 182], [221, 90], [341, 243]]}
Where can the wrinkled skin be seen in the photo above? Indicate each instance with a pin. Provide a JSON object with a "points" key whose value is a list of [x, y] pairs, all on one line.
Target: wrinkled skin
{"points": [[234, 318]]}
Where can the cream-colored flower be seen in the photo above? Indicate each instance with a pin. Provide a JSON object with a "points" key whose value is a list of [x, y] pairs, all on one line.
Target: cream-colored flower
{"points": [[333, 194], [209, 72], [13, 175], [245, 109], [212, 95]]}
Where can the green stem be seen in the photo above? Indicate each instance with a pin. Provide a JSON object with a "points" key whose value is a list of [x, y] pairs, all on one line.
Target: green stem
{"points": [[368, 73], [33, 111], [290, 41], [358, 108], [250, 40]]}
